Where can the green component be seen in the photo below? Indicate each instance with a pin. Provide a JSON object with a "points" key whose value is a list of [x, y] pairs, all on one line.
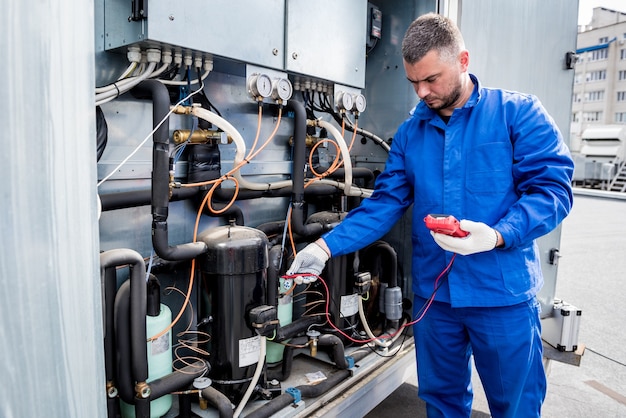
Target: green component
{"points": [[159, 362], [274, 352]]}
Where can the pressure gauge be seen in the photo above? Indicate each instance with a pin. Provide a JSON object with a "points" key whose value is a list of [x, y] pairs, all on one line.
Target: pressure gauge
{"points": [[282, 89], [260, 85], [344, 101], [359, 103]]}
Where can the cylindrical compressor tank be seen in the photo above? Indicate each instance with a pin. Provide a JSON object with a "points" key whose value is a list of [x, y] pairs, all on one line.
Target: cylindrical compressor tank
{"points": [[234, 273]]}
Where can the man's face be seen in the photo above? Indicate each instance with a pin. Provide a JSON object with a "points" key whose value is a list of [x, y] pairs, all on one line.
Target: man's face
{"points": [[438, 83]]}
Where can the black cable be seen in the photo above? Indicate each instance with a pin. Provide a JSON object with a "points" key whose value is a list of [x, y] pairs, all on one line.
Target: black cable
{"points": [[101, 132], [204, 98], [606, 357]]}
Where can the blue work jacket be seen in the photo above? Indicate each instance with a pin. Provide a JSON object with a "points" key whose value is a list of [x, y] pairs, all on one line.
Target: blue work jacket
{"points": [[500, 160]]}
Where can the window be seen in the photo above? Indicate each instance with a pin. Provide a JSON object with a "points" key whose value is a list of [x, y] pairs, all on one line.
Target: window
{"points": [[603, 40], [620, 117], [594, 96], [592, 116], [599, 54], [596, 75], [576, 117], [622, 54], [577, 78], [621, 96], [576, 97], [621, 76]]}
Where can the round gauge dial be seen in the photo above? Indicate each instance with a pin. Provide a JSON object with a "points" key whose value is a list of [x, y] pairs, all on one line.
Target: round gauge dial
{"points": [[282, 89], [261, 85], [359, 103], [345, 101]]}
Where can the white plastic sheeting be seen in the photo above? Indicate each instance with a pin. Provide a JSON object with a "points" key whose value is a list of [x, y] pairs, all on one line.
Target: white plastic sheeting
{"points": [[50, 299]]}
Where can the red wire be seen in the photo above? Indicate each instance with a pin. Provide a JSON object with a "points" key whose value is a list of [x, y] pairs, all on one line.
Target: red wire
{"points": [[424, 308]]}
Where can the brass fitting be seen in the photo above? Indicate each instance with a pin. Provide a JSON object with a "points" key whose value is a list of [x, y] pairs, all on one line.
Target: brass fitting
{"points": [[182, 110], [111, 389], [309, 141], [200, 136], [142, 390], [313, 338]]}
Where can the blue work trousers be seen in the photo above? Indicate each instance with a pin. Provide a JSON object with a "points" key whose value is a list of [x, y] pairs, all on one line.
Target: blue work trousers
{"points": [[507, 349]]}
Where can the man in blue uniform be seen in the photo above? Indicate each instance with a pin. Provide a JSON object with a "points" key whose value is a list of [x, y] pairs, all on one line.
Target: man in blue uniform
{"points": [[496, 160]]}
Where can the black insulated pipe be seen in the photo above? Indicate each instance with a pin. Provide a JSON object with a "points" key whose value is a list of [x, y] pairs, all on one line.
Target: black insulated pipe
{"points": [[142, 407], [297, 327], [338, 353], [298, 204], [286, 365], [110, 289], [157, 92], [307, 391], [122, 257], [219, 401], [385, 252], [125, 381], [178, 379], [121, 200]]}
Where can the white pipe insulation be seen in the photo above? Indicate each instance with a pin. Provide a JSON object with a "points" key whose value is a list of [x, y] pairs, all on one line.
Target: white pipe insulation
{"points": [[255, 379], [240, 155]]}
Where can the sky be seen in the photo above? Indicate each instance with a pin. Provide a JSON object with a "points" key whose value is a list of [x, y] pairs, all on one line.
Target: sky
{"points": [[585, 8]]}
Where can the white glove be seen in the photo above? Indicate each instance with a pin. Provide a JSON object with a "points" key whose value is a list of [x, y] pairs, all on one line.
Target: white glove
{"points": [[311, 259], [481, 238]]}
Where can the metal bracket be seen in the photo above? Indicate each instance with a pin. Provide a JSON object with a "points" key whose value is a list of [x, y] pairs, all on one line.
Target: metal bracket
{"points": [[139, 10]]}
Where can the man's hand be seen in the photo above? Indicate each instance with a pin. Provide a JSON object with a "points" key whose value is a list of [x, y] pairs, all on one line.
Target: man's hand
{"points": [[311, 260], [481, 238]]}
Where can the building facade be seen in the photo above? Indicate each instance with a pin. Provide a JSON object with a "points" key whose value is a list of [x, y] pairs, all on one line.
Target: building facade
{"points": [[599, 91]]}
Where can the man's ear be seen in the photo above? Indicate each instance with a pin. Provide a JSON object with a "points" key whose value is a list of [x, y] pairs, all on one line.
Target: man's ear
{"points": [[464, 59]]}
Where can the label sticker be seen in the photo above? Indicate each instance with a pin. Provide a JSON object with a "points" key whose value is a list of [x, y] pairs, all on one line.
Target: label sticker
{"points": [[349, 305], [249, 351]]}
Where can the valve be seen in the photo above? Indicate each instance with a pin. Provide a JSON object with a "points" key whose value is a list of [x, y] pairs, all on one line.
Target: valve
{"points": [[313, 339]]}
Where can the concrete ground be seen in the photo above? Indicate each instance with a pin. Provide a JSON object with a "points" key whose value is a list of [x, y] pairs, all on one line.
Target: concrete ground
{"points": [[592, 277]]}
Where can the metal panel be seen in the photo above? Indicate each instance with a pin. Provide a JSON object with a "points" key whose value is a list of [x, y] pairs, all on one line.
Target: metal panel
{"points": [[326, 39], [389, 95], [245, 30], [497, 34]]}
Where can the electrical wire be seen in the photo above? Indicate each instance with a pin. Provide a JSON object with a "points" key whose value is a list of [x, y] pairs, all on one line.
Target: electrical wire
{"points": [[605, 356], [240, 160], [417, 317], [158, 125], [192, 344], [191, 275]]}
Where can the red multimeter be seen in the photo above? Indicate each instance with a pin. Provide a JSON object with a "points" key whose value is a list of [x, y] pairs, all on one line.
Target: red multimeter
{"points": [[444, 224]]}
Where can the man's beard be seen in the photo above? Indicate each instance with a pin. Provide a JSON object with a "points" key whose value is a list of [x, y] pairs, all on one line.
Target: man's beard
{"points": [[448, 100]]}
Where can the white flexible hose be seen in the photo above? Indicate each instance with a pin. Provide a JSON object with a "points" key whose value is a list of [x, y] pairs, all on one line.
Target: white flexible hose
{"points": [[124, 85], [129, 70], [123, 81], [240, 151], [224, 125], [255, 379], [159, 70], [345, 153], [354, 190], [240, 154], [376, 340]]}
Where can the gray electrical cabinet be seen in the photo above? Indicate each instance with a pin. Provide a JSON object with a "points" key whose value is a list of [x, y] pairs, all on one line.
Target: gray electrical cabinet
{"points": [[323, 39], [326, 39], [243, 30]]}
